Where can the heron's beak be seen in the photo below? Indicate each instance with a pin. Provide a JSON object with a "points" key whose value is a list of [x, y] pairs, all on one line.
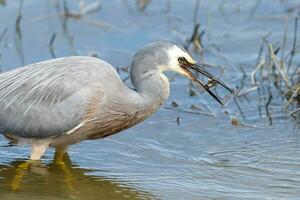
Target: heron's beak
{"points": [[212, 80]]}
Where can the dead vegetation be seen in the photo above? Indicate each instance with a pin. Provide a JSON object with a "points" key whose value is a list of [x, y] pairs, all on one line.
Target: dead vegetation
{"points": [[276, 68], [275, 79], [276, 72]]}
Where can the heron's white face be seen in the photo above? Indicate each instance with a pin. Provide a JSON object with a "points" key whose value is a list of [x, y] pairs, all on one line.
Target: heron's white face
{"points": [[175, 54], [181, 62]]}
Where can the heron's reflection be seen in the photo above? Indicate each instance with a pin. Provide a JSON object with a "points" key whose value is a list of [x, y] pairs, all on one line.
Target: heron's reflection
{"points": [[56, 181]]}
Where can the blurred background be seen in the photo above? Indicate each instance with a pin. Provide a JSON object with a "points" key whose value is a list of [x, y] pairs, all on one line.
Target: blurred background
{"points": [[192, 148]]}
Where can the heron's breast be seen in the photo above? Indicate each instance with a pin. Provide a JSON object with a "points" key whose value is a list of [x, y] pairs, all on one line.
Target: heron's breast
{"points": [[113, 119], [107, 116]]}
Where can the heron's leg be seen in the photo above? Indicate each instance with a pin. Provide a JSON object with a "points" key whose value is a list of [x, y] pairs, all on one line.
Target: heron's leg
{"points": [[60, 154], [61, 158], [38, 148]]}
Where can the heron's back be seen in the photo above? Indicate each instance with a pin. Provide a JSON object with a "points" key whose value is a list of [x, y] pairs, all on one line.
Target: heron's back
{"points": [[51, 97]]}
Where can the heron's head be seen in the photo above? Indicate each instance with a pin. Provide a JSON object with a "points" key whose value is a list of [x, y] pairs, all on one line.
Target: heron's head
{"points": [[166, 56]]}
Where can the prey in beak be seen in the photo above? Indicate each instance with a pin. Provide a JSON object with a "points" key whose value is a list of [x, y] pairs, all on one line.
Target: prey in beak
{"points": [[212, 80]]}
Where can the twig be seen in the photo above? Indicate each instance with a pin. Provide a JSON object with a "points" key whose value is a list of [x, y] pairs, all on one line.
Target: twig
{"points": [[284, 40], [254, 8], [208, 65], [196, 10], [295, 74], [64, 23], [259, 101], [245, 92], [294, 112], [282, 73], [18, 34], [196, 40], [178, 121], [236, 122], [51, 45], [100, 24], [222, 11], [295, 93], [3, 34], [125, 79], [261, 49], [267, 108], [90, 8], [294, 43], [190, 111], [239, 107], [244, 76], [292, 8], [258, 67]]}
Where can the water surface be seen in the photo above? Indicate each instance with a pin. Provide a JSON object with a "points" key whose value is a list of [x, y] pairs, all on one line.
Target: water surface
{"points": [[202, 156]]}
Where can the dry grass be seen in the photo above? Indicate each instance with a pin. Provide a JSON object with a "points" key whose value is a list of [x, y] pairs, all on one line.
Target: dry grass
{"points": [[275, 68]]}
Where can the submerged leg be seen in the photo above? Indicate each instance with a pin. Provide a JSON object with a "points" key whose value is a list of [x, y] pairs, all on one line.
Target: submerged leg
{"points": [[38, 148], [61, 159], [60, 154]]}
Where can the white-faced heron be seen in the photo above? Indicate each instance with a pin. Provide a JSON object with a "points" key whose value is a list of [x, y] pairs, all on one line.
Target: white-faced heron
{"points": [[62, 101]]}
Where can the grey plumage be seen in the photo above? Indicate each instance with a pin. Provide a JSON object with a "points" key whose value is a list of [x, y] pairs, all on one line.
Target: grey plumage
{"points": [[49, 98], [62, 101], [147, 59]]}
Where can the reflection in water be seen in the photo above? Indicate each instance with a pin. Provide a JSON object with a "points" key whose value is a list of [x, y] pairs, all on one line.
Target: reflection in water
{"points": [[55, 181]]}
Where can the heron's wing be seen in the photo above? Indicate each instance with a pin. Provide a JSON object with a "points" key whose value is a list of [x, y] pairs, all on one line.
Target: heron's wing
{"points": [[47, 98]]}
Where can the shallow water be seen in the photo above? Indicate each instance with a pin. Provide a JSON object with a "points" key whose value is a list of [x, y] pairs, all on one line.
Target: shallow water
{"points": [[201, 157]]}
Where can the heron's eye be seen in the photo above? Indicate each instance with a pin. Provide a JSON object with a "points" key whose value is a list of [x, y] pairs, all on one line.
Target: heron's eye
{"points": [[182, 60]]}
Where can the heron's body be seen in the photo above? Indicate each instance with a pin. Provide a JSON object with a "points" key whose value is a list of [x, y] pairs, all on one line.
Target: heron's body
{"points": [[80, 104], [62, 101]]}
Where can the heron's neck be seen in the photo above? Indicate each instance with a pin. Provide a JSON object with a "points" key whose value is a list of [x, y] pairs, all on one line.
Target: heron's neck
{"points": [[153, 86]]}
